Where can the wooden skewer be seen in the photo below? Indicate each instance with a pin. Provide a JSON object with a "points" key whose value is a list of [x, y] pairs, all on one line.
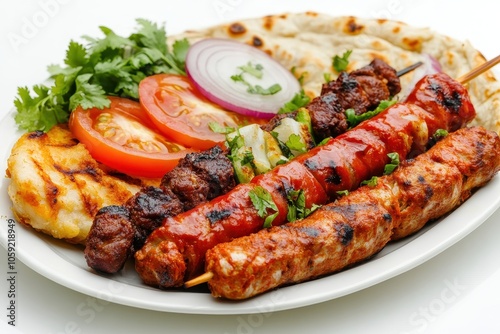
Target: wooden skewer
{"points": [[409, 69], [479, 70], [204, 278]]}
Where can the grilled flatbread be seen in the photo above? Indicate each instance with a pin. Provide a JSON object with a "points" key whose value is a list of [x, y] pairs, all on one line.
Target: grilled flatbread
{"points": [[306, 42]]}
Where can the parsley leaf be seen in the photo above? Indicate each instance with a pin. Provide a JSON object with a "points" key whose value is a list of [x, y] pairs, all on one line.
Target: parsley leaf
{"points": [[299, 100], [297, 205], [262, 201], [372, 182], [342, 192], [353, 119], [219, 128], [111, 65], [88, 95], [295, 143], [390, 167], [340, 63], [255, 71]]}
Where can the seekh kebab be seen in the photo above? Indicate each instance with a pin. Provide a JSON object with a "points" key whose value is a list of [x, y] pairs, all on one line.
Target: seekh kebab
{"points": [[118, 231], [359, 225], [175, 252]]}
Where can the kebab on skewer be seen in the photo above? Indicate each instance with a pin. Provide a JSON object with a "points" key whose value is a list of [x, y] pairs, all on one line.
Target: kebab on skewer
{"points": [[175, 252], [359, 225], [118, 231]]}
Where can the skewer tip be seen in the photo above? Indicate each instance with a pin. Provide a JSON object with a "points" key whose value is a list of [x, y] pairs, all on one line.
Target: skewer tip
{"points": [[479, 70], [204, 278]]}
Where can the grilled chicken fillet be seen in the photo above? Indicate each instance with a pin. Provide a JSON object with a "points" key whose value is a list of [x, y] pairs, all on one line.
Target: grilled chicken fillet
{"points": [[57, 187]]}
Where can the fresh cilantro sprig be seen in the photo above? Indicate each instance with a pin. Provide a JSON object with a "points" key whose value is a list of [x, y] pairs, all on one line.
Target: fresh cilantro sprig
{"points": [[111, 65], [255, 71], [263, 201], [297, 205], [391, 166], [353, 119], [299, 100], [340, 63], [372, 182]]}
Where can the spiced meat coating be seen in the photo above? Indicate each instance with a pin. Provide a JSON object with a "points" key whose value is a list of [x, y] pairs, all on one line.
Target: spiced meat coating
{"points": [[118, 232], [200, 177], [109, 242], [148, 208], [361, 90]]}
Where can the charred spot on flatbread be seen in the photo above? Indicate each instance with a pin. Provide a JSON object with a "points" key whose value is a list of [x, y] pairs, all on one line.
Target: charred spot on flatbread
{"points": [[236, 29], [306, 42], [414, 44], [257, 41], [270, 20], [352, 27]]}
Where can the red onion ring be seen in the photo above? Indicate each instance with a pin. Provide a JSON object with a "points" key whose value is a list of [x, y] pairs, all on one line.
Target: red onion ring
{"points": [[210, 63]]}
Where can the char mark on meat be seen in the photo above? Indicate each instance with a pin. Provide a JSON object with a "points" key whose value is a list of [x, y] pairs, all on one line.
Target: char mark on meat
{"points": [[119, 231], [109, 242], [200, 177], [361, 90], [148, 208]]}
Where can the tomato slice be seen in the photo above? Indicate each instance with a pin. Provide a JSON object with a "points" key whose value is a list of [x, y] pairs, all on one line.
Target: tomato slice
{"points": [[180, 112], [124, 138]]}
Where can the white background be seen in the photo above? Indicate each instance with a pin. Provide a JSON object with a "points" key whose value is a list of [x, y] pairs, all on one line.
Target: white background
{"points": [[458, 291]]}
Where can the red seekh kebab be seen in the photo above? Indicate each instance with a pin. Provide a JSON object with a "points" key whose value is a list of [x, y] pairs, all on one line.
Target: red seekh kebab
{"points": [[359, 225], [175, 252], [118, 231]]}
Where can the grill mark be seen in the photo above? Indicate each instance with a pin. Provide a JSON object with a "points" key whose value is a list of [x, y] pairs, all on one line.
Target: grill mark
{"points": [[310, 231], [36, 134], [51, 190], [345, 233], [451, 101], [257, 42], [333, 176], [349, 211], [216, 215]]}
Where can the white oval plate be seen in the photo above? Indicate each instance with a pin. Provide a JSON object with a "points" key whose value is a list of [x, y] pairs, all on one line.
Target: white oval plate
{"points": [[65, 264]]}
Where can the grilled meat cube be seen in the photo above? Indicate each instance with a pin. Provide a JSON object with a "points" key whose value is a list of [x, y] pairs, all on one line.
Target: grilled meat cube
{"points": [[109, 242], [200, 177]]}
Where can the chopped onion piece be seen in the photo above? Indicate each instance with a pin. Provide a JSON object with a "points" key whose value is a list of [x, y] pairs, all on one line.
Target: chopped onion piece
{"points": [[212, 63]]}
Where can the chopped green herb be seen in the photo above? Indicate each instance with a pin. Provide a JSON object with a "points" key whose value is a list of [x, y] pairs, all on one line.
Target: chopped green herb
{"points": [[353, 119], [255, 71], [297, 205], [340, 63], [324, 141], [218, 128], [262, 201], [343, 192], [327, 77], [390, 167], [295, 143], [285, 150], [440, 133], [372, 182], [112, 65], [299, 100]]}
